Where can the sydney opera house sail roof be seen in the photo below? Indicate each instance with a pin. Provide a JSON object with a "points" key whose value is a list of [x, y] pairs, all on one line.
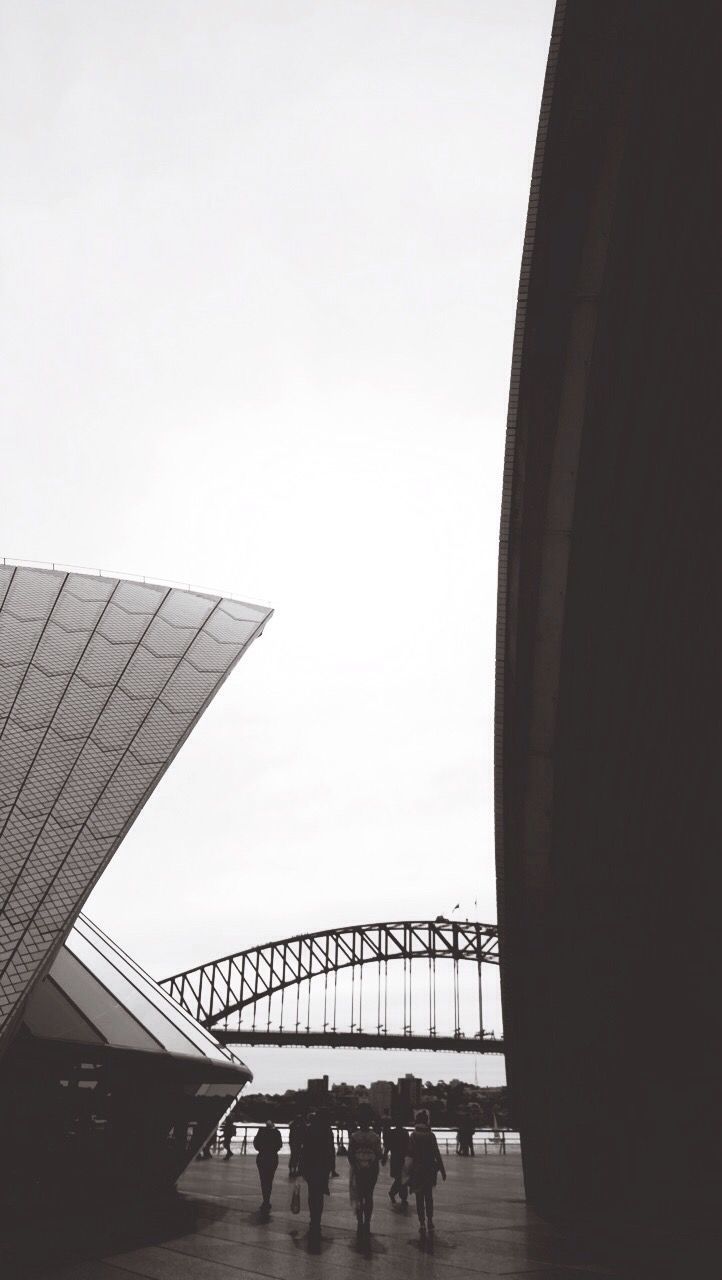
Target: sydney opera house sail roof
{"points": [[101, 681]]}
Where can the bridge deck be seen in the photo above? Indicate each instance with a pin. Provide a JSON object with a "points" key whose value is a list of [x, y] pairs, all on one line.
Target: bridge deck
{"points": [[361, 1040], [484, 1228]]}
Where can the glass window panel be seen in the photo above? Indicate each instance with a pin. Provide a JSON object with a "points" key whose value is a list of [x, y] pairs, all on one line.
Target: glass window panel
{"points": [[121, 985], [182, 1020], [111, 1018], [50, 1014]]}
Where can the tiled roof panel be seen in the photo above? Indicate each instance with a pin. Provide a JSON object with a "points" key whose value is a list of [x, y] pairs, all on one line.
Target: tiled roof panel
{"points": [[100, 682]]}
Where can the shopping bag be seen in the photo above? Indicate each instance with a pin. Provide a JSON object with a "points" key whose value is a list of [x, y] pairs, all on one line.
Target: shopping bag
{"points": [[296, 1198]]}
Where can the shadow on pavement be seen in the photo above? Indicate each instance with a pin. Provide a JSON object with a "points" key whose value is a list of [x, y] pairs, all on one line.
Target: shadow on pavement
{"points": [[29, 1248]]}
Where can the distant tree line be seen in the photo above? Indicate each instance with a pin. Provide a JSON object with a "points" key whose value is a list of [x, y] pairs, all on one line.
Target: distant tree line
{"points": [[448, 1103]]}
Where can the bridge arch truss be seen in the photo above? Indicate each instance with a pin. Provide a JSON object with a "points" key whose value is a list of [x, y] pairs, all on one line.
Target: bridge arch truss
{"points": [[224, 991]]}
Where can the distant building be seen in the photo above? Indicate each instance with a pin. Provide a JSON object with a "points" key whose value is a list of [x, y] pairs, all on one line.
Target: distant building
{"points": [[408, 1097], [344, 1105], [381, 1096], [317, 1091]]}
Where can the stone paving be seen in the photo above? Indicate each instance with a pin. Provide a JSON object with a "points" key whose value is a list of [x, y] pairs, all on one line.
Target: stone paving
{"points": [[484, 1228]]}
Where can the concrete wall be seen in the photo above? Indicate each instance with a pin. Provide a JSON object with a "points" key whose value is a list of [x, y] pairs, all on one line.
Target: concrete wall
{"points": [[609, 715]]}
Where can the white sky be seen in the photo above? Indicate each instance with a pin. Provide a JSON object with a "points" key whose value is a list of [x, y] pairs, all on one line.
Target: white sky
{"points": [[259, 267]]}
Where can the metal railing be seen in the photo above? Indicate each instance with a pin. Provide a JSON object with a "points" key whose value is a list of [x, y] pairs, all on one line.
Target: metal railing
{"points": [[493, 1141]]}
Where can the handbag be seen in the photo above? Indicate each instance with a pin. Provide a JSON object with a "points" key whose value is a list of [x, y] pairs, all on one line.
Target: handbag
{"points": [[296, 1198], [407, 1172]]}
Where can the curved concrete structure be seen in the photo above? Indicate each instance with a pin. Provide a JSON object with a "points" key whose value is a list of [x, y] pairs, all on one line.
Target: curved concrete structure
{"points": [[608, 686], [101, 681]]}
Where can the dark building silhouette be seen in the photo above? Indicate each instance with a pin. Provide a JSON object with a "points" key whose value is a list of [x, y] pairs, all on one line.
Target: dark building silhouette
{"points": [[108, 1089], [317, 1091], [609, 715], [407, 1098]]}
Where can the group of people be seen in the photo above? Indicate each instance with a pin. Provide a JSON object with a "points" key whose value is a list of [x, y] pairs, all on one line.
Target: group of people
{"points": [[415, 1163], [465, 1138]]}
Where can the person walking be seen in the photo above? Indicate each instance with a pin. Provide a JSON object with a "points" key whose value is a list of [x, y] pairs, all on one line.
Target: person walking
{"points": [[315, 1164], [466, 1136], [426, 1164], [296, 1132], [268, 1143], [364, 1156], [229, 1132], [397, 1148]]}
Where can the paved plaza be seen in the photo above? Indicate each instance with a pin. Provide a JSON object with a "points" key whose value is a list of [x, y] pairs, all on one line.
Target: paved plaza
{"points": [[484, 1228]]}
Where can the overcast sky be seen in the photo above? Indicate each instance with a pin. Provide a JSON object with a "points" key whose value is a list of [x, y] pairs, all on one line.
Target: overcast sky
{"points": [[259, 271]]}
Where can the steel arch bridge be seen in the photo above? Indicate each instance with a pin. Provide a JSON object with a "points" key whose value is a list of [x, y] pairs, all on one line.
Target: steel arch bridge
{"points": [[276, 979]]}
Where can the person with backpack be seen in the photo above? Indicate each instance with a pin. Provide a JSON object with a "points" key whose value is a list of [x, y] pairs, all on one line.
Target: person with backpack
{"points": [[364, 1156], [268, 1143], [425, 1165]]}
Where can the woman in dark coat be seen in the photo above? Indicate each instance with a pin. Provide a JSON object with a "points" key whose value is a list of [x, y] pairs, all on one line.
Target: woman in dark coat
{"points": [[268, 1143], [315, 1165], [426, 1163]]}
